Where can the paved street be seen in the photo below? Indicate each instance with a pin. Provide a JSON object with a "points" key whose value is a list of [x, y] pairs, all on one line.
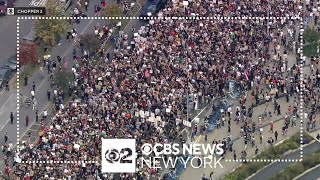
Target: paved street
{"points": [[238, 143], [313, 174], [276, 167], [42, 85], [8, 44], [8, 33], [8, 102], [38, 3], [9, 105]]}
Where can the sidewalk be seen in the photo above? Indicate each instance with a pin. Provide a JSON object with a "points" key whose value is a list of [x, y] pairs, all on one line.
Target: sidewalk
{"points": [[238, 143], [42, 85], [314, 133]]}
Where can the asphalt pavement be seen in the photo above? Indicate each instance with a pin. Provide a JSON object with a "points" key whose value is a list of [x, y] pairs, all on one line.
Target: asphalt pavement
{"points": [[271, 170], [8, 47], [313, 174], [42, 85], [8, 33], [238, 142]]}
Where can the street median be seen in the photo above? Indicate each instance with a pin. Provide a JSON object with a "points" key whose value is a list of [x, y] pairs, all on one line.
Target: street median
{"points": [[311, 161], [276, 152]]}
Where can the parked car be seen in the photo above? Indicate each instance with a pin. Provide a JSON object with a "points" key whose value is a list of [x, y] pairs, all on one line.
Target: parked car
{"points": [[152, 7], [5, 75], [12, 63]]}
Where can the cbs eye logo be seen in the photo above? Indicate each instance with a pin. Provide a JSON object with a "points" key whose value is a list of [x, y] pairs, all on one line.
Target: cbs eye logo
{"points": [[113, 155]]}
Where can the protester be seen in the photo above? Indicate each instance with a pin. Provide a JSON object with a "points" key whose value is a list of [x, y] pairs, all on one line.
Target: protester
{"points": [[140, 93]]}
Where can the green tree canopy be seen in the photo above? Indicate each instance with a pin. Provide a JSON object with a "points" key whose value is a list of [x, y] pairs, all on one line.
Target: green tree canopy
{"points": [[49, 30], [113, 10], [90, 42], [63, 79], [311, 35]]}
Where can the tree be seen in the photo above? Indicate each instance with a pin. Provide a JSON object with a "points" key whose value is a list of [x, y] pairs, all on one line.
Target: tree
{"points": [[63, 80], [49, 30], [28, 53], [311, 35], [90, 42], [113, 10]]}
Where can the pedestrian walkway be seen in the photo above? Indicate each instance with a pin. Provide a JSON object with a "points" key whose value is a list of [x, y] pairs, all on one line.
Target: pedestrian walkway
{"points": [[29, 134], [238, 145], [315, 134], [42, 85], [237, 137]]}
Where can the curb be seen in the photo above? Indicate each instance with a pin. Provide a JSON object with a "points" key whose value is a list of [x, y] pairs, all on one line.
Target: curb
{"points": [[15, 145], [309, 133], [13, 81], [307, 171], [286, 153], [231, 171], [313, 130]]}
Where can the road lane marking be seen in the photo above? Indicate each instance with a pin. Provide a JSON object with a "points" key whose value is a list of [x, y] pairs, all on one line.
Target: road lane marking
{"points": [[7, 100], [6, 122], [38, 3]]}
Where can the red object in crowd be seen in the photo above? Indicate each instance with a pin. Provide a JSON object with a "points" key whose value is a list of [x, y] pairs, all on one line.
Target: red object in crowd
{"points": [[271, 125], [42, 126], [153, 171], [144, 104], [26, 178], [8, 169], [128, 115], [275, 81], [103, 4], [147, 74]]}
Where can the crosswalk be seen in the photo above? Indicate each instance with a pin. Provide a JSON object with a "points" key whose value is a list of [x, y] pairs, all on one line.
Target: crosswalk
{"points": [[38, 3]]}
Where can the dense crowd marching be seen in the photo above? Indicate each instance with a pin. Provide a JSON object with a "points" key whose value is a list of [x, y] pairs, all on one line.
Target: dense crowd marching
{"points": [[150, 77], [312, 78]]}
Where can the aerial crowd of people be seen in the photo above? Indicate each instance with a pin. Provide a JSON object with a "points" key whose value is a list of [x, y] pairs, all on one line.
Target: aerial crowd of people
{"points": [[139, 90]]}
